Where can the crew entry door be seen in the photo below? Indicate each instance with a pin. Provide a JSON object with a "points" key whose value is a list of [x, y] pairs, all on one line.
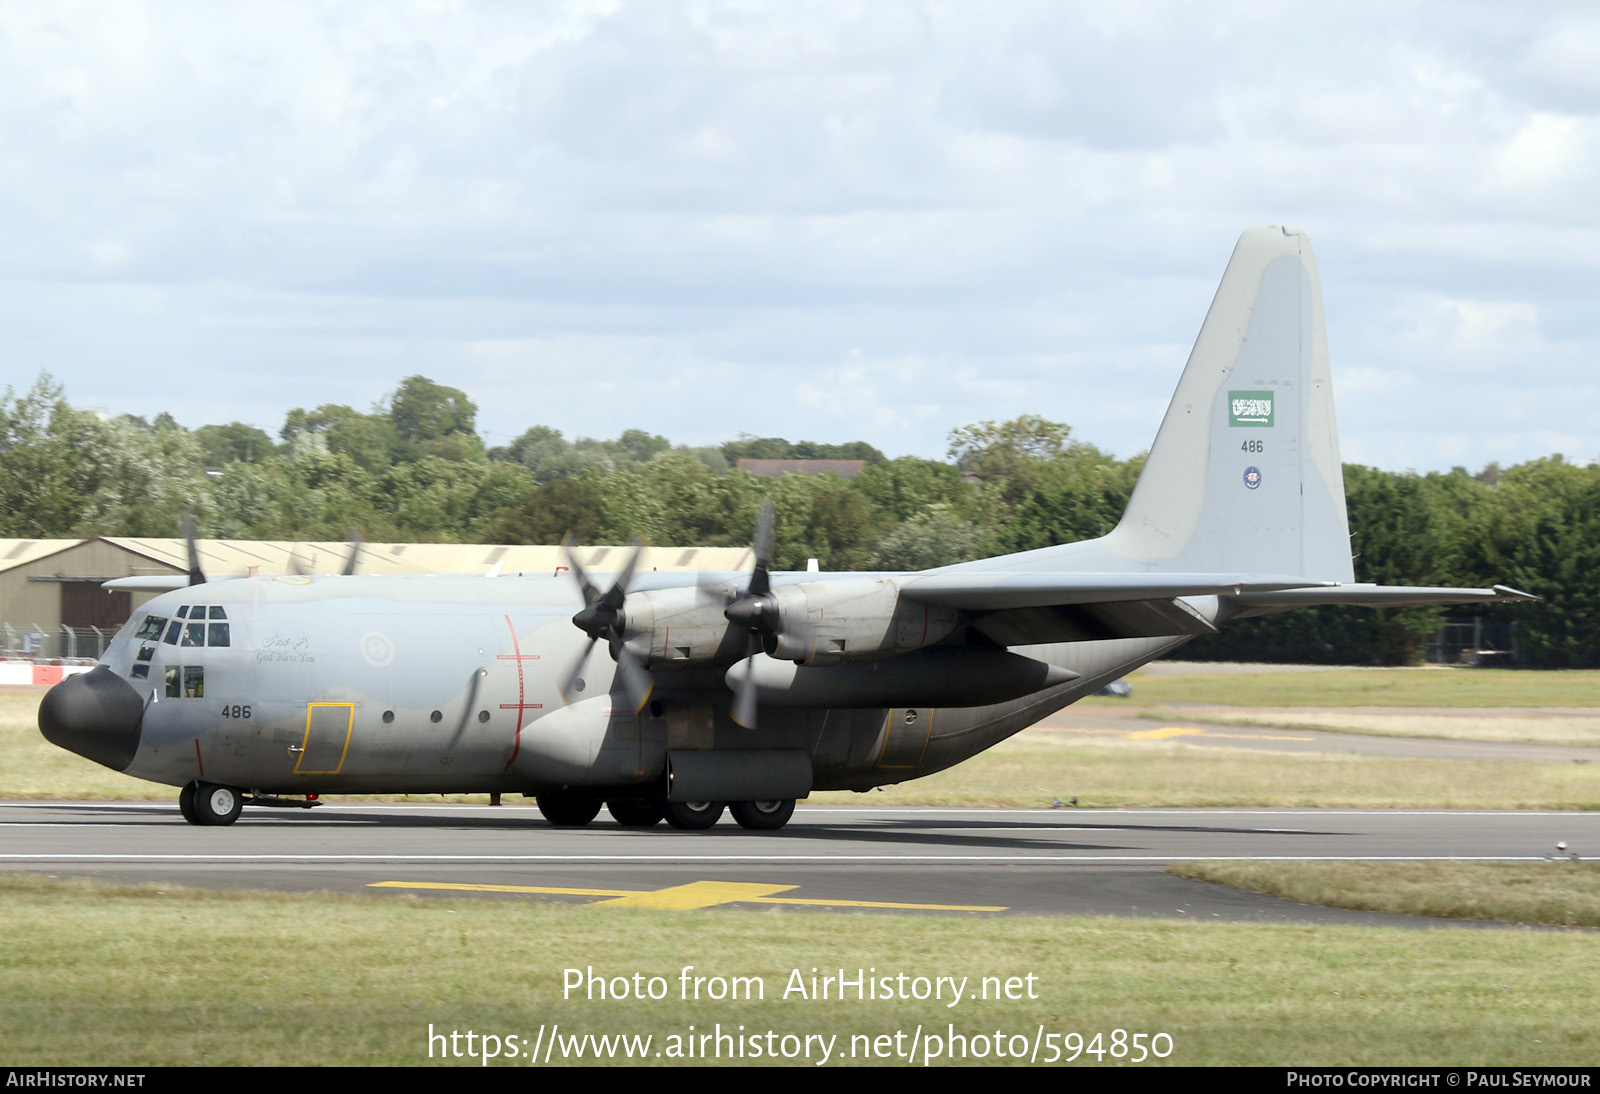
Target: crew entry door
{"points": [[327, 740]]}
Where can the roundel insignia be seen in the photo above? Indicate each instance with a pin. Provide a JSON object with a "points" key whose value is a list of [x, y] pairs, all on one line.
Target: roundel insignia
{"points": [[376, 649], [1252, 477]]}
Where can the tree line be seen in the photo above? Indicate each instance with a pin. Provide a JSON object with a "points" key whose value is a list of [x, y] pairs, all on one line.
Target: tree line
{"points": [[414, 468]]}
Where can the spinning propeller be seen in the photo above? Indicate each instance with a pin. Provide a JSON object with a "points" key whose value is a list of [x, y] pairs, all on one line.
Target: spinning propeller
{"points": [[755, 611], [601, 617], [357, 541], [196, 575]]}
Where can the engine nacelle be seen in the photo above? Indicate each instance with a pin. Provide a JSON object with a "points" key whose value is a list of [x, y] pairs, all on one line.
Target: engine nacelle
{"points": [[943, 676], [816, 622], [860, 619]]}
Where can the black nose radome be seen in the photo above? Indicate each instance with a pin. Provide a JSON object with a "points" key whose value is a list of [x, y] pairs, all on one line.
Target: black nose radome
{"points": [[95, 714]]}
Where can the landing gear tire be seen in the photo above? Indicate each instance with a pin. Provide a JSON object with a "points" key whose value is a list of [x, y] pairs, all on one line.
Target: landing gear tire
{"points": [[567, 810], [213, 804], [186, 803], [693, 816], [763, 816], [637, 812]]}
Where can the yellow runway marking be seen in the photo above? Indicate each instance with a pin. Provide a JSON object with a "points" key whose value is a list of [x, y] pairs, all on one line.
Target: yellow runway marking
{"points": [[694, 895], [1164, 733]]}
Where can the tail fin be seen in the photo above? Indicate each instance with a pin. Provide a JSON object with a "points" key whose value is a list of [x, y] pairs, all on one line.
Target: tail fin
{"points": [[1244, 475]]}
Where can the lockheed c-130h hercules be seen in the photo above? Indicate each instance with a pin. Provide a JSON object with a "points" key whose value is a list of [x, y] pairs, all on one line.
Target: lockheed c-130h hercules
{"points": [[748, 690]]}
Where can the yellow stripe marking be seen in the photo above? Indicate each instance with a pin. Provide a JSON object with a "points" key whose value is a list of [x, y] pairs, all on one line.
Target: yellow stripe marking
{"points": [[1164, 733], [694, 895]]}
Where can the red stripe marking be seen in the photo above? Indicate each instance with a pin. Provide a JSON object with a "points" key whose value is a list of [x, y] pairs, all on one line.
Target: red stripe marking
{"points": [[197, 758], [522, 705]]}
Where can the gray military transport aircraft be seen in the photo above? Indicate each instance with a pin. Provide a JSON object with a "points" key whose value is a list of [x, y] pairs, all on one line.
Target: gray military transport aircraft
{"points": [[747, 691]]}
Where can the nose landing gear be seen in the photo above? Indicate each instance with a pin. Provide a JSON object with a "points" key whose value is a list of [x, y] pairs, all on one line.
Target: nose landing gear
{"points": [[210, 804]]}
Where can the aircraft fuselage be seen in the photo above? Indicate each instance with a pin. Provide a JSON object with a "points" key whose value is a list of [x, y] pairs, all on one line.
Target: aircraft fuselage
{"points": [[384, 684]]}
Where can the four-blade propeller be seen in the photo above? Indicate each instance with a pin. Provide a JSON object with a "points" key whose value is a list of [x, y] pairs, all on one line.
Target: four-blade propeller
{"points": [[601, 617], [754, 611]]}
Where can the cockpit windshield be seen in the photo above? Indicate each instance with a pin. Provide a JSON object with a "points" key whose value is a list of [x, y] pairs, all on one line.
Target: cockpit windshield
{"points": [[192, 633]]}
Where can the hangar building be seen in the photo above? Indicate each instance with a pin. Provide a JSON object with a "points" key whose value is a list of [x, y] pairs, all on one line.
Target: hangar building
{"points": [[52, 605]]}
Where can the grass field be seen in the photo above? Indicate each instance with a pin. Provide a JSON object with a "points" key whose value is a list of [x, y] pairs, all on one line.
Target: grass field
{"points": [[1431, 687], [1559, 727], [1561, 894], [106, 975]]}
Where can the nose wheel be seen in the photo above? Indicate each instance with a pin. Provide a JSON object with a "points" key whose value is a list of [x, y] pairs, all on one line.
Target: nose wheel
{"points": [[210, 804]]}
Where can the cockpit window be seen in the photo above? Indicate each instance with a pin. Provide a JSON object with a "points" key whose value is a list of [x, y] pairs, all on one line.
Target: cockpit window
{"points": [[152, 627], [146, 652], [172, 633], [194, 634], [183, 612], [217, 612], [219, 633], [185, 681]]}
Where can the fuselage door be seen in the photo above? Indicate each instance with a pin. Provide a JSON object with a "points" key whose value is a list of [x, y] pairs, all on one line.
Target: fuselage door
{"points": [[327, 740], [905, 737]]}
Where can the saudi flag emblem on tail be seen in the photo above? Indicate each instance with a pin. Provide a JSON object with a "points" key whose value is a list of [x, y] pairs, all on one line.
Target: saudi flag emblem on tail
{"points": [[1250, 408]]}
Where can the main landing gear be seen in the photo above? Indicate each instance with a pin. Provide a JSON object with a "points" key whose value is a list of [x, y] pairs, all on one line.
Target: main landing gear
{"points": [[637, 812], [565, 809], [763, 816]]}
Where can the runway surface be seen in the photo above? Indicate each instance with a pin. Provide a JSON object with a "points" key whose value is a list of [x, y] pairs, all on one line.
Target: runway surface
{"points": [[886, 860]]}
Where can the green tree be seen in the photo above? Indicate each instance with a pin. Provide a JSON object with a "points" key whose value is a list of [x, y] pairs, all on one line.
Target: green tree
{"points": [[933, 538], [422, 410], [223, 444]]}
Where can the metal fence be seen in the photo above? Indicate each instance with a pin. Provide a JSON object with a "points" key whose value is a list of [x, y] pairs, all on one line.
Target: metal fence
{"points": [[38, 643], [1475, 641]]}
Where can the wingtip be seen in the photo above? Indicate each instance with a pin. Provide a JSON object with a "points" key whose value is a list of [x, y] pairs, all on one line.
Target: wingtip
{"points": [[1506, 592]]}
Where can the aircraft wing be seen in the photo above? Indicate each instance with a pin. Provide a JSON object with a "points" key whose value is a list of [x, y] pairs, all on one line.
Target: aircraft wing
{"points": [[157, 582], [1025, 609]]}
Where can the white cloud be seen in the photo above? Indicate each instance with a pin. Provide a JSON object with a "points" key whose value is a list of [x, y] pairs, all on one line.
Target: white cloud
{"points": [[682, 216]]}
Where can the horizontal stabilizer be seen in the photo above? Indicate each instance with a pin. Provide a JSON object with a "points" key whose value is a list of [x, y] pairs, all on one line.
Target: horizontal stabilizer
{"points": [[1380, 596], [997, 591]]}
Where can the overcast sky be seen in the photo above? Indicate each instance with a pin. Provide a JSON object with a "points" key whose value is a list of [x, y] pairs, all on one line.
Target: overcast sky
{"points": [[871, 220]]}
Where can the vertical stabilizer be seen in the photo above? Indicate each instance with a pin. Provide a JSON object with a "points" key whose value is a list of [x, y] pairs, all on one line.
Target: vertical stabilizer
{"points": [[1244, 475]]}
